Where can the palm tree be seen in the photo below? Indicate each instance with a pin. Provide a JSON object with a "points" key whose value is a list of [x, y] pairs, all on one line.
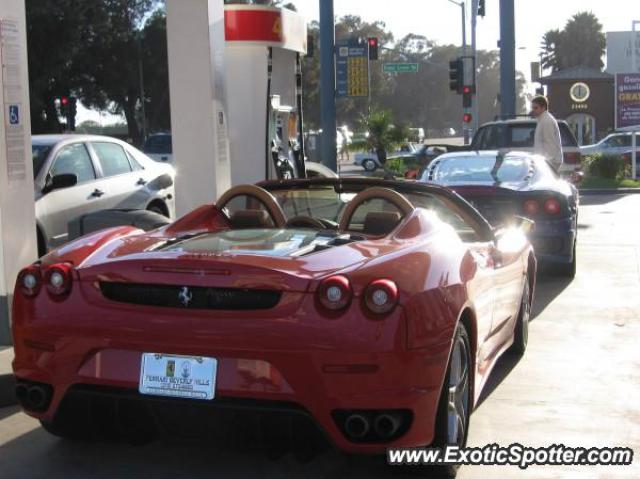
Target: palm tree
{"points": [[580, 44], [382, 134]]}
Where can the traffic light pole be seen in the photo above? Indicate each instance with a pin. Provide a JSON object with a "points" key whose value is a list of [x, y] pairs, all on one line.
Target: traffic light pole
{"points": [[507, 59], [474, 52], [328, 148]]}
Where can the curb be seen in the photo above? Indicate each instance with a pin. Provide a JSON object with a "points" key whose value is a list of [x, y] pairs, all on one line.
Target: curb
{"points": [[7, 398], [609, 191]]}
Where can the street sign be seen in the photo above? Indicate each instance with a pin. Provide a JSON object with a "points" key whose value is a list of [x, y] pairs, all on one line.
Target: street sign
{"points": [[352, 69], [628, 101], [400, 68]]}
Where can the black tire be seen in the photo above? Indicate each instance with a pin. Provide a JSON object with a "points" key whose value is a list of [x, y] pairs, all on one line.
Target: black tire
{"points": [[521, 331], [369, 165], [459, 367], [569, 270]]}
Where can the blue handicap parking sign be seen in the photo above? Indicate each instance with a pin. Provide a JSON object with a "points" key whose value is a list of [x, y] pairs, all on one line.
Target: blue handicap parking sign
{"points": [[14, 115]]}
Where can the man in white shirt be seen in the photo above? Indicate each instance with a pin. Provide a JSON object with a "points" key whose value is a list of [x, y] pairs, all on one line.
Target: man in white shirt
{"points": [[547, 140]]}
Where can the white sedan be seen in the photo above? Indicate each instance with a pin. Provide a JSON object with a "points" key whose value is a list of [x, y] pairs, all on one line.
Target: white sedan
{"points": [[79, 174]]}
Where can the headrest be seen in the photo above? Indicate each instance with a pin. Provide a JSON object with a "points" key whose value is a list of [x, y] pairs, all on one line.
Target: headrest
{"points": [[381, 223], [246, 219]]}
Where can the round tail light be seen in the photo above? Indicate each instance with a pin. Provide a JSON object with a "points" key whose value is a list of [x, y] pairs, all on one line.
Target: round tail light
{"points": [[381, 296], [552, 206], [30, 281], [57, 278], [334, 293], [531, 207]]}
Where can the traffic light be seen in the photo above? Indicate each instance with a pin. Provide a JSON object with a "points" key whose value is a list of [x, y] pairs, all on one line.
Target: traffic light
{"points": [[456, 75], [481, 8], [373, 48], [466, 118], [467, 95], [63, 103]]}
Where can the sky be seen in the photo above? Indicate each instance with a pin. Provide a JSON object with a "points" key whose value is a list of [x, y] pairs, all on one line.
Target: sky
{"points": [[440, 21]]}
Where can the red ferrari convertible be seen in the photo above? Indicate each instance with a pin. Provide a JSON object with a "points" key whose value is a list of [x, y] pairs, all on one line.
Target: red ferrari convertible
{"points": [[375, 309]]}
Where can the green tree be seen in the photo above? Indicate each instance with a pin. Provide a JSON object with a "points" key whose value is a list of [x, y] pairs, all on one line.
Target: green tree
{"points": [[383, 134], [581, 43], [110, 59], [155, 66], [56, 32]]}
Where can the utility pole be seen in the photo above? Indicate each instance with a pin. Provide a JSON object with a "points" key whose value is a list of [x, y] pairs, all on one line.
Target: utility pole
{"points": [[465, 130], [474, 52], [328, 85], [507, 59]]}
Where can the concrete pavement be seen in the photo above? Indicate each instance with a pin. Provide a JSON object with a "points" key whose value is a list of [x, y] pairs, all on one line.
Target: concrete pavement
{"points": [[577, 385]]}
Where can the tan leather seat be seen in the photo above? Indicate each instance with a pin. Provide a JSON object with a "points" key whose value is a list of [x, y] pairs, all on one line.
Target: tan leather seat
{"points": [[380, 223], [247, 219]]}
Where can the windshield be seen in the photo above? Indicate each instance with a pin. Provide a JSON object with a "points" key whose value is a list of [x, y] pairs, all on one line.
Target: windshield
{"points": [[325, 202], [479, 169], [39, 153]]}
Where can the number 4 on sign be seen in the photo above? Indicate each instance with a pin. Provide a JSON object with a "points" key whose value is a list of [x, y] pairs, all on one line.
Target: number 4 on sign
{"points": [[277, 27]]}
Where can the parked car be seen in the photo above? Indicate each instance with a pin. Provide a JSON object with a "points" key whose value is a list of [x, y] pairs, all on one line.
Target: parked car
{"points": [[159, 147], [518, 134], [615, 144], [364, 308], [78, 174], [369, 160], [420, 156], [502, 186]]}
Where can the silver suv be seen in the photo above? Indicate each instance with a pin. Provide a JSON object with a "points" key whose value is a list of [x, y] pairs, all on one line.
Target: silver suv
{"points": [[78, 174]]}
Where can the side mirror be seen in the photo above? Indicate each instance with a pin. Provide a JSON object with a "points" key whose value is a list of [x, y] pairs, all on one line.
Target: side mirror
{"points": [[59, 182]]}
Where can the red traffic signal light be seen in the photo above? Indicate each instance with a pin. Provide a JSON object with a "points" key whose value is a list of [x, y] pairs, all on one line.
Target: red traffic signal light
{"points": [[64, 101], [466, 89], [373, 48], [466, 118]]}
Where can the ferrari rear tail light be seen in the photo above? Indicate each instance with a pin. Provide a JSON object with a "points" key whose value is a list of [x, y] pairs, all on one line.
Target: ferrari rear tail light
{"points": [[30, 281], [334, 293], [57, 278], [552, 206], [381, 296], [531, 207]]}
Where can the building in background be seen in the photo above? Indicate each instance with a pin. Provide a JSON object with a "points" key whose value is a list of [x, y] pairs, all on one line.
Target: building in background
{"points": [[584, 97]]}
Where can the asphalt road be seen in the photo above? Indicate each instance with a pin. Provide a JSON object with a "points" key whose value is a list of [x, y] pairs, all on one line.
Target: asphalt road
{"points": [[578, 385]]}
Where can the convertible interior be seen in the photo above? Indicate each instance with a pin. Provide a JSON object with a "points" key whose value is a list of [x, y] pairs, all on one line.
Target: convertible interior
{"points": [[372, 212]]}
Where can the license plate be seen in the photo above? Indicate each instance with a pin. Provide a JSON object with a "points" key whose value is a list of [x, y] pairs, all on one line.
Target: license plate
{"points": [[178, 376]]}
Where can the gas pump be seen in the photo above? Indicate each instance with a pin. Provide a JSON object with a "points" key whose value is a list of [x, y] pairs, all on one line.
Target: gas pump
{"points": [[263, 57]]}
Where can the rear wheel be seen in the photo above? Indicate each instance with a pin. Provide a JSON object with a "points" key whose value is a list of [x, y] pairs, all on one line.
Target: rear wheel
{"points": [[369, 165], [454, 408], [521, 332]]}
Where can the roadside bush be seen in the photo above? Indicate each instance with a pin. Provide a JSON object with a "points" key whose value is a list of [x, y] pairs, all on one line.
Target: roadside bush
{"points": [[604, 166]]}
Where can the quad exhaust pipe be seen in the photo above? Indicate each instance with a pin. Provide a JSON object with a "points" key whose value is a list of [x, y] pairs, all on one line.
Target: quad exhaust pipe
{"points": [[386, 425], [356, 426], [372, 426], [33, 397]]}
